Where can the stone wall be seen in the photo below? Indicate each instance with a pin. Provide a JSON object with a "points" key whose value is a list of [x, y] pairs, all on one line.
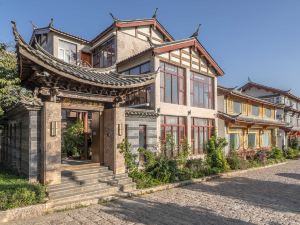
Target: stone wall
{"points": [[136, 117], [21, 138]]}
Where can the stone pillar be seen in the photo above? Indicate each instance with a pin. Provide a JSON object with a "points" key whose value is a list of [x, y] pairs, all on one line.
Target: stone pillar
{"points": [[114, 133], [51, 143]]}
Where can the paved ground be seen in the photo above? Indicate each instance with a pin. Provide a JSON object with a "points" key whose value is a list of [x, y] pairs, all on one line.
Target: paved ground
{"points": [[266, 196]]}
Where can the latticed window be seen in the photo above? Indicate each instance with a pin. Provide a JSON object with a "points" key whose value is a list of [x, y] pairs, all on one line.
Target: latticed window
{"points": [[172, 84], [202, 130], [202, 91]]}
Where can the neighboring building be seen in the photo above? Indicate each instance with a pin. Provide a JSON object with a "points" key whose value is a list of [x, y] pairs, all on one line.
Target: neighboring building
{"points": [[290, 114], [249, 124], [133, 80]]}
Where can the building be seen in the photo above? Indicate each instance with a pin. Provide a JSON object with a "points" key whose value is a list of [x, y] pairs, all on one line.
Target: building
{"points": [[132, 80], [290, 114], [248, 123]]}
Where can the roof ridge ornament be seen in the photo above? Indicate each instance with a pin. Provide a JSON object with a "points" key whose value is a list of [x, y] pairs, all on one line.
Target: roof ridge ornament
{"points": [[249, 80], [115, 19], [155, 13], [51, 22], [196, 33], [33, 25]]}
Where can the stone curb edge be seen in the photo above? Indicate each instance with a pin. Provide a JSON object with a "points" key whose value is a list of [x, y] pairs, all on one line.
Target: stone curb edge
{"points": [[42, 209], [199, 180]]}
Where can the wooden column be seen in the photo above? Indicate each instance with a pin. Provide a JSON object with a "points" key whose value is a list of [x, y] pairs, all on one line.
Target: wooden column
{"points": [[85, 127]]}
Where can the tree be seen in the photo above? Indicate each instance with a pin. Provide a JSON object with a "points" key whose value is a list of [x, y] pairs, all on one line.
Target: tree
{"points": [[9, 81]]}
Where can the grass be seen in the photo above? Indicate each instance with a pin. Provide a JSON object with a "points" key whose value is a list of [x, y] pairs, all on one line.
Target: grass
{"points": [[16, 191]]}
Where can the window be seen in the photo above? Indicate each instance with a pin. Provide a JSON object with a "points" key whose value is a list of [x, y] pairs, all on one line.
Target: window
{"points": [[202, 91], [143, 136], [237, 107], [202, 130], [174, 126], [172, 84], [105, 54], [255, 110], [140, 69], [268, 113], [252, 140], [234, 141], [67, 52], [266, 139], [139, 97]]}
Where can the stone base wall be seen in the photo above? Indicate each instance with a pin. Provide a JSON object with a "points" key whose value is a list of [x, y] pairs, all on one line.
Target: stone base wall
{"points": [[21, 139], [136, 117]]}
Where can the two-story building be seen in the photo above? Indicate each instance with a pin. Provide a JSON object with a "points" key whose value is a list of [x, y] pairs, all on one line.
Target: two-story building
{"points": [[249, 124], [290, 114], [133, 80]]}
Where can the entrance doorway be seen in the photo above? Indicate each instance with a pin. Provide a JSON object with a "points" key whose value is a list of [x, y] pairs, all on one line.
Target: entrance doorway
{"points": [[81, 136]]}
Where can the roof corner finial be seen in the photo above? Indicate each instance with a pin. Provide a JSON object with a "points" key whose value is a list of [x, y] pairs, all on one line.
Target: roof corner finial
{"points": [[196, 33], [33, 25], [249, 80], [113, 17], [155, 13], [51, 23]]}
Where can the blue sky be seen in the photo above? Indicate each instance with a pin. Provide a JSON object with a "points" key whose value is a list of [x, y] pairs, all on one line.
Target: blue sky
{"points": [[248, 38]]}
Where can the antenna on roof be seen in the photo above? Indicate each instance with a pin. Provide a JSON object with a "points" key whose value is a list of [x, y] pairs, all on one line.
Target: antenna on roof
{"points": [[155, 13], [33, 25], [196, 33], [51, 23], [249, 79], [113, 17]]}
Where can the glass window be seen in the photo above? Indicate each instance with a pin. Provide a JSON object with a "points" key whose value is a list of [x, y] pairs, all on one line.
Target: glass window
{"points": [[105, 54], [172, 85], [234, 141], [237, 107], [174, 126], [268, 113], [255, 110], [67, 52], [266, 142], [140, 69], [202, 130], [202, 88], [252, 140]]}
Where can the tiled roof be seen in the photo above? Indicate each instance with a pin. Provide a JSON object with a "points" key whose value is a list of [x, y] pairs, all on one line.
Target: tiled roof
{"points": [[107, 77], [272, 89], [248, 120], [240, 94]]}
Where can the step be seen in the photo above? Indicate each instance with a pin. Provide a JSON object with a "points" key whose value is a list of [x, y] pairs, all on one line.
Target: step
{"points": [[83, 177], [128, 187], [84, 171], [80, 167], [84, 196], [77, 190]]}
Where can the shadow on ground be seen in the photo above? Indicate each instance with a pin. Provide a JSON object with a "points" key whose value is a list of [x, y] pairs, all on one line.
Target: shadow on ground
{"points": [[137, 210], [295, 176], [267, 194]]}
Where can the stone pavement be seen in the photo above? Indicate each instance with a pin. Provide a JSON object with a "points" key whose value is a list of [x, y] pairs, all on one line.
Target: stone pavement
{"points": [[265, 196]]}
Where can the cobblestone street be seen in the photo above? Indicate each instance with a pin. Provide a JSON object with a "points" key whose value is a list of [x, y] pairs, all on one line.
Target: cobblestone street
{"points": [[265, 196]]}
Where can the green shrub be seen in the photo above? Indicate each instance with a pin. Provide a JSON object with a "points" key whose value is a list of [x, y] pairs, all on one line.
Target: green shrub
{"points": [[276, 154], [234, 160], [73, 139], [164, 170], [291, 153], [130, 158], [18, 192], [215, 154]]}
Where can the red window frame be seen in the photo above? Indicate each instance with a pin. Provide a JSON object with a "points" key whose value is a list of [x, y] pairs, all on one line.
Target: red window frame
{"points": [[179, 127], [208, 82], [206, 128], [181, 84]]}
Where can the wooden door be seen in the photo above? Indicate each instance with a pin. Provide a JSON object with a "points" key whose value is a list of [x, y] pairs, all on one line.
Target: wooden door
{"points": [[86, 58]]}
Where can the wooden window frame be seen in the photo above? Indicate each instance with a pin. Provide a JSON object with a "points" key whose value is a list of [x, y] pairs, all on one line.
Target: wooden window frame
{"points": [[211, 89], [180, 78], [99, 51], [209, 128]]}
